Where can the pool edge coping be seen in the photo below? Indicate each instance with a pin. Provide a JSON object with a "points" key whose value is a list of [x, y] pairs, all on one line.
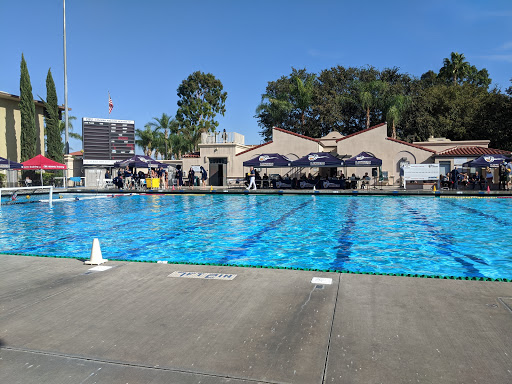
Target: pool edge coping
{"points": [[423, 276]]}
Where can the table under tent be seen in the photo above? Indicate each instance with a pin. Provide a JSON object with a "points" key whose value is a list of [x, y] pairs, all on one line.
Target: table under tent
{"points": [[320, 160], [267, 160]]}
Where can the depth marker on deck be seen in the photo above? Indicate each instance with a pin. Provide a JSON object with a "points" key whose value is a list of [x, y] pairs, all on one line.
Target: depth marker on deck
{"points": [[203, 275], [321, 280]]}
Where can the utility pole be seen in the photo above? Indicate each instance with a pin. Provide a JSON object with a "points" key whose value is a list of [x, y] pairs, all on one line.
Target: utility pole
{"points": [[66, 129]]}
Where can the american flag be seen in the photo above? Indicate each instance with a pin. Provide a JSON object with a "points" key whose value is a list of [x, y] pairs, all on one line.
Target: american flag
{"points": [[110, 104]]}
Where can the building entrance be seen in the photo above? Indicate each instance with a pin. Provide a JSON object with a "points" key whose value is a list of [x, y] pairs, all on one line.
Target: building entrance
{"points": [[218, 171]]}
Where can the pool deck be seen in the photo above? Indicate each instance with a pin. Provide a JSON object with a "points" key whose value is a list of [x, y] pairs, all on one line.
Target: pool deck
{"points": [[62, 323]]}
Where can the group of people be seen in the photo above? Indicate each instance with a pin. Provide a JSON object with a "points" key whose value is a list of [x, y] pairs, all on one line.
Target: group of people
{"points": [[130, 178], [482, 179], [340, 181], [191, 177]]}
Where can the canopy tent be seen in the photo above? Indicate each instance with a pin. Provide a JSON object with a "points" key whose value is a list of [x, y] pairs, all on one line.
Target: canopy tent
{"points": [[42, 163], [364, 159], [269, 160], [8, 164], [484, 161], [318, 159], [139, 161]]}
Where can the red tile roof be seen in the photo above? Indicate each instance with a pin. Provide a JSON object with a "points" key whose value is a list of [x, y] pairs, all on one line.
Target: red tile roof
{"points": [[256, 146], [77, 153], [410, 144], [363, 131], [471, 151], [296, 134], [193, 154]]}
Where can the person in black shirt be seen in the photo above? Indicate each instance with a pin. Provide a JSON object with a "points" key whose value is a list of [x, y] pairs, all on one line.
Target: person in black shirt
{"points": [[191, 175], [204, 176], [503, 175]]}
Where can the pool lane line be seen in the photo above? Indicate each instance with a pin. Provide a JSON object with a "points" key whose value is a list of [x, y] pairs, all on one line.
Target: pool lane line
{"points": [[108, 230], [177, 262], [448, 239], [251, 240], [345, 239], [444, 242], [171, 235], [479, 213]]}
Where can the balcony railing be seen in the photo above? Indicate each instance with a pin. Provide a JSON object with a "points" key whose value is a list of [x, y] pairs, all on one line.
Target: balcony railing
{"points": [[222, 138]]}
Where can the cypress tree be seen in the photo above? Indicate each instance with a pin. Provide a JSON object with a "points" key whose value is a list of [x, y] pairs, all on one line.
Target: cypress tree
{"points": [[28, 111], [54, 145]]}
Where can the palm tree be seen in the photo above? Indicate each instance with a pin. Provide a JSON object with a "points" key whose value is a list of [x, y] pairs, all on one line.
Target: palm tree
{"points": [[62, 128], [369, 94], [396, 107], [145, 139], [455, 67], [167, 124], [179, 144], [302, 95]]}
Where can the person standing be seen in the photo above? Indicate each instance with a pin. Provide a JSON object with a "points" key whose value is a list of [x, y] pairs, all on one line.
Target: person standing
{"points": [[252, 178], [191, 176], [455, 177], [509, 174], [204, 176], [488, 177], [179, 176], [503, 175]]}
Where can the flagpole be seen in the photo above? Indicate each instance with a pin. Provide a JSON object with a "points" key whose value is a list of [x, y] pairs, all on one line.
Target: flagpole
{"points": [[66, 129]]}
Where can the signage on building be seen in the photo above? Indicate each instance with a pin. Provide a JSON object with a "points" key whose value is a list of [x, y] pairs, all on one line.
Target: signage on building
{"points": [[107, 140]]}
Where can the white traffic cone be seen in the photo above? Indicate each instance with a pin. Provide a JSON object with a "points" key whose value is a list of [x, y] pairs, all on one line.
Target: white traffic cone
{"points": [[96, 258]]}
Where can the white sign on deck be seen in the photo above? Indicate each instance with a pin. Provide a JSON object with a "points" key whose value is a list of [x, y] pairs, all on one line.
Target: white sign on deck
{"points": [[203, 275], [321, 280], [421, 172]]}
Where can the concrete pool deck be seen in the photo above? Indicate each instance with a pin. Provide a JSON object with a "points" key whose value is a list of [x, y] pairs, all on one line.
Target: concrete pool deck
{"points": [[62, 323]]}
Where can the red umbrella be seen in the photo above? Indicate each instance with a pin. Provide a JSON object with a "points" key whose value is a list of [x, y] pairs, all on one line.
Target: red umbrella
{"points": [[41, 162]]}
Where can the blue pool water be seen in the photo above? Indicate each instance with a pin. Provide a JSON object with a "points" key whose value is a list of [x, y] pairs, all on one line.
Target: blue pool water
{"points": [[412, 235]]}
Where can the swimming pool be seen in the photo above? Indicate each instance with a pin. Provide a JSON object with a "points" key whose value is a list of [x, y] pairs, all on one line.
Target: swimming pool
{"points": [[365, 234]]}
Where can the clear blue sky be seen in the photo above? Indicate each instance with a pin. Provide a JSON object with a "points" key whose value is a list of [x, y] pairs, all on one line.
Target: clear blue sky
{"points": [[141, 51]]}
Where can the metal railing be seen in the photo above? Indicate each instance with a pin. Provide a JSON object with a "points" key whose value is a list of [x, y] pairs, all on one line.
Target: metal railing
{"points": [[222, 138]]}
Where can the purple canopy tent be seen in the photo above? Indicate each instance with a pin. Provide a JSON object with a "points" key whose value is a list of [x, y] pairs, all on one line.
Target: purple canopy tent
{"points": [[8, 164], [268, 160], [364, 159], [139, 161], [318, 159], [484, 161]]}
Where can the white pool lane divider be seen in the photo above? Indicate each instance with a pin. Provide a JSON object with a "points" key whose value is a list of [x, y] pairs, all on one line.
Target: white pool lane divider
{"points": [[203, 275]]}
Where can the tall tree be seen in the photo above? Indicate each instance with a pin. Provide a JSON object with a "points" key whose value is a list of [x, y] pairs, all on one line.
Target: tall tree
{"points": [[54, 144], [145, 139], [168, 125], [370, 95], [302, 93], [454, 68], [396, 108], [28, 111], [288, 103], [201, 98]]}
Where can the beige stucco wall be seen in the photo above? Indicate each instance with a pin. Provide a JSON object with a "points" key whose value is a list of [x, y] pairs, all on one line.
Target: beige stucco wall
{"points": [[390, 152], [10, 128], [286, 144]]}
